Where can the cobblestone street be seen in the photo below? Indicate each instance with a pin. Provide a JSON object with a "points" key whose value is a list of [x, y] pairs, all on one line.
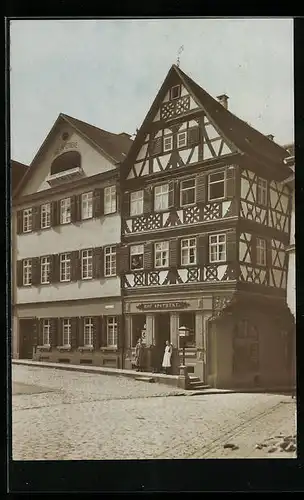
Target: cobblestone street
{"points": [[61, 415]]}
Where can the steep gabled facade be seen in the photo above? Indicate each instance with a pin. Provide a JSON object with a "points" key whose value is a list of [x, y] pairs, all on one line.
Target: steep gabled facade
{"points": [[205, 221], [66, 217]]}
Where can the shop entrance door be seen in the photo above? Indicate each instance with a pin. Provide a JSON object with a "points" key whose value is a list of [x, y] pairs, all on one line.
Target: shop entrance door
{"points": [[162, 330]]}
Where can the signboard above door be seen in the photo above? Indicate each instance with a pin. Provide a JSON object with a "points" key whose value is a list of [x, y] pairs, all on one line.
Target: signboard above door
{"points": [[162, 306]]}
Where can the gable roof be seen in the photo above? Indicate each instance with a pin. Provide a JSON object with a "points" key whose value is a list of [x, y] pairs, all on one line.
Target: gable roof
{"points": [[18, 170], [114, 146], [245, 138]]}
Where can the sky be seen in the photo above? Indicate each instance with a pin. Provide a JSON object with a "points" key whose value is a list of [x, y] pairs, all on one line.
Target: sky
{"points": [[108, 72]]}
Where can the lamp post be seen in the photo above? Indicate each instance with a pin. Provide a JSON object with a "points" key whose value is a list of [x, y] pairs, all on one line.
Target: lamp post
{"points": [[183, 332]]}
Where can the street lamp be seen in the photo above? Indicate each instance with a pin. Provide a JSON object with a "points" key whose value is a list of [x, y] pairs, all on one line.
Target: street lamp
{"points": [[183, 332]]}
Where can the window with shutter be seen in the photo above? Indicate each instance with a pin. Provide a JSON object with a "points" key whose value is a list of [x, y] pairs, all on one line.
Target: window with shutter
{"points": [[112, 331], [27, 220], [45, 215], [161, 254], [136, 202], [110, 202], [161, 197], [261, 252], [148, 256], [86, 265], [217, 248], [136, 257], [110, 261], [88, 328], [87, 205], [187, 192], [27, 272], [66, 332], [188, 251], [217, 185], [65, 267], [75, 208], [65, 211]]}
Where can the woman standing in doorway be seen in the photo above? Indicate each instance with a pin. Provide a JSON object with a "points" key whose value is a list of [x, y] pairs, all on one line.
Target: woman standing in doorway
{"points": [[167, 357], [139, 356]]}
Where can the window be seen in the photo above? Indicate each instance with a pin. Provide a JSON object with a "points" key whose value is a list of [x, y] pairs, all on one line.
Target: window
{"points": [[260, 252], [45, 218], [65, 267], [182, 139], [27, 272], [161, 197], [46, 329], [162, 254], [187, 192], [110, 200], [88, 332], [65, 211], [175, 92], [45, 264], [188, 251], [137, 257], [86, 264], [168, 143], [216, 186], [27, 220], [262, 191], [87, 205], [112, 331], [110, 261], [217, 247], [66, 332], [137, 203]]}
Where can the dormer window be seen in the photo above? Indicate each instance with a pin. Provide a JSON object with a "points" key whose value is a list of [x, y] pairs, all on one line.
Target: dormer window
{"points": [[175, 92]]}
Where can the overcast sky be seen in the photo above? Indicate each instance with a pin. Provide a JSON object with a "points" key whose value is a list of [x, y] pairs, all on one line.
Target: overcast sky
{"points": [[107, 72]]}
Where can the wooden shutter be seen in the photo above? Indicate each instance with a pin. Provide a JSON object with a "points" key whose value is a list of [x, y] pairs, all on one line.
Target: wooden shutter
{"points": [[19, 221], [36, 274], [40, 331], [74, 333], [203, 249], [123, 259], [120, 332], [171, 194], [269, 254], [96, 332], [53, 332], [156, 146], [253, 243], [98, 263], [55, 268], [35, 331], [231, 252], [103, 331], [125, 207], [193, 136], [36, 218], [78, 202], [75, 208], [19, 272], [55, 213], [230, 182], [98, 202], [75, 266], [59, 331], [174, 252], [148, 202], [177, 194], [201, 188], [148, 256]]}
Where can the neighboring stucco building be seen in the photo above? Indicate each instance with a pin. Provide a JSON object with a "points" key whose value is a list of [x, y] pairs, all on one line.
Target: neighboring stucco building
{"points": [[67, 298]]}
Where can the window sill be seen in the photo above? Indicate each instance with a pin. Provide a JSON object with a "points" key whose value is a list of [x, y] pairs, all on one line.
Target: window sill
{"points": [[44, 348], [110, 213], [86, 348], [109, 349], [86, 278], [111, 276], [64, 348]]}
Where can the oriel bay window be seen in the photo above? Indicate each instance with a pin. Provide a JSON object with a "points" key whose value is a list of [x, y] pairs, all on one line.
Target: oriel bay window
{"points": [[45, 264], [88, 327], [187, 192], [216, 186], [161, 254], [45, 216], [217, 248], [87, 264], [137, 202], [188, 251], [46, 330], [65, 211], [27, 220], [136, 257], [87, 205], [112, 331], [65, 267], [260, 252], [27, 272], [161, 197], [66, 332], [110, 261], [110, 200]]}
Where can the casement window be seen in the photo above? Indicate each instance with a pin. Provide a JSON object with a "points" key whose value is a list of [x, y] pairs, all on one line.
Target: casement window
{"points": [[65, 211], [110, 200], [27, 220], [137, 202], [161, 254], [181, 139], [110, 261], [161, 197], [27, 272], [175, 92], [216, 186], [136, 257], [87, 205], [262, 191], [65, 267], [66, 332], [168, 143], [112, 332], [187, 192], [260, 252], [188, 251], [46, 330], [88, 332], [86, 264], [45, 216], [45, 264], [217, 247]]}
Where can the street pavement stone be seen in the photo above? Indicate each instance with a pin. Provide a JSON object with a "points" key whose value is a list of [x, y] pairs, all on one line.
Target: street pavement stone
{"points": [[95, 417]]}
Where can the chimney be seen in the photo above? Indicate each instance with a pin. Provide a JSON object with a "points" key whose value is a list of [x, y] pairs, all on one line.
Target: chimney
{"points": [[223, 99], [270, 136]]}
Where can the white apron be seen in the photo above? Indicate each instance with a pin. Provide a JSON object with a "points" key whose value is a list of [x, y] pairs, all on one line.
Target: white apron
{"points": [[167, 357]]}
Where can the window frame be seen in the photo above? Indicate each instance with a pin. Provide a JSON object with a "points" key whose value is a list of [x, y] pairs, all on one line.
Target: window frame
{"points": [[112, 329], [87, 205], [66, 260], [108, 256], [88, 323], [45, 216], [216, 245], [27, 220], [159, 195], [261, 251], [161, 251], [262, 189], [134, 254], [139, 200], [165, 138], [65, 209], [29, 267], [182, 133], [69, 331], [179, 92], [188, 248], [46, 323], [187, 189], [88, 258], [224, 181], [112, 194], [42, 270]]}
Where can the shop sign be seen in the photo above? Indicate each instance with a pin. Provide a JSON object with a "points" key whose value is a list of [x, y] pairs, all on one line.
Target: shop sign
{"points": [[162, 306]]}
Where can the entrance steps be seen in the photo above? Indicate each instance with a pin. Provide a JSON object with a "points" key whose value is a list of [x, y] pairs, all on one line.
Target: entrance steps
{"points": [[195, 384]]}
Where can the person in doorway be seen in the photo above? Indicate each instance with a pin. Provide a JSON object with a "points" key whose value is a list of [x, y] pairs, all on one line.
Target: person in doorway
{"points": [[167, 358], [154, 359], [139, 356]]}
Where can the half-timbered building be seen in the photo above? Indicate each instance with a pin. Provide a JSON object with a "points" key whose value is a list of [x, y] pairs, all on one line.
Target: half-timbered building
{"points": [[205, 221], [66, 218]]}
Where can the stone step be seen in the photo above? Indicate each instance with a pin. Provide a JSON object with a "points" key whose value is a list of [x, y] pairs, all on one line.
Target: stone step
{"points": [[145, 379], [193, 378], [198, 386]]}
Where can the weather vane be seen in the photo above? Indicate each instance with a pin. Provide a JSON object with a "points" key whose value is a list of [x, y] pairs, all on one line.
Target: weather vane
{"points": [[180, 50]]}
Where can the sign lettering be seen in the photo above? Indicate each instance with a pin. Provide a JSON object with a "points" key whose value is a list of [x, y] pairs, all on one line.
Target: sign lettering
{"points": [[161, 306]]}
